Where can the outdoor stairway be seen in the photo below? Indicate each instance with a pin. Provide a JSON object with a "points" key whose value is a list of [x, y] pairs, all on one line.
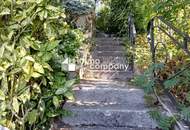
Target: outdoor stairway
{"points": [[104, 98], [108, 61]]}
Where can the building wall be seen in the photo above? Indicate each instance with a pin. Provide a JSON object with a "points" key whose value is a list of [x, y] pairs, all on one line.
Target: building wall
{"points": [[87, 24]]}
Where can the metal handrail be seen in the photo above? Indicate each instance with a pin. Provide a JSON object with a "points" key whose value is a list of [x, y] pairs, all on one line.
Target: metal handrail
{"points": [[183, 44], [131, 37], [151, 36]]}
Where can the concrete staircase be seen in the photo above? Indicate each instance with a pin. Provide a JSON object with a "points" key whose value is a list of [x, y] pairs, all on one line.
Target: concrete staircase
{"points": [[108, 61], [104, 98]]}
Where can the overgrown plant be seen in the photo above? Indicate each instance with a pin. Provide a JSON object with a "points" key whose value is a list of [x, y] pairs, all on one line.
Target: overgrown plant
{"points": [[152, 84], [172, 76], [158, 78], [164, 122], [102, 20], [145, 10], [34, 38]]}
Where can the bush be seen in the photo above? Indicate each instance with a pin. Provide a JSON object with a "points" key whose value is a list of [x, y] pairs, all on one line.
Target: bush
{"points": [[33, 37], [102, 21]]}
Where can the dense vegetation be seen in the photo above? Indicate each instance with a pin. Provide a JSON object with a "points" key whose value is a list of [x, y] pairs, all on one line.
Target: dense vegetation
{"points": [[34, 40], [36, 36], [144, 10], [162, 75]]}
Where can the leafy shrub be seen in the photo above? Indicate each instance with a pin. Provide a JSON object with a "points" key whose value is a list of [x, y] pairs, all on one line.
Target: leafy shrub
{"points": [[33, 37], [173, 74], [144, 10], [102, 20], [164, 122]]}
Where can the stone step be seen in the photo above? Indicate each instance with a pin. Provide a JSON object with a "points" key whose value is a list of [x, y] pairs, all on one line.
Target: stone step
{"points": [[105, 67], [108, 58], [109, 43], [108, 66], [108, 53], [104, 128], [108, 75], [111, 95], [103, 104], [108, 116], [109, 48], [108, 39], [116, 84], [105, 100], [105, 62]]}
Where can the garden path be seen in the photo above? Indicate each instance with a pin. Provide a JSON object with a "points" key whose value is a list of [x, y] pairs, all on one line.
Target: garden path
{"points": [[105, 100]]}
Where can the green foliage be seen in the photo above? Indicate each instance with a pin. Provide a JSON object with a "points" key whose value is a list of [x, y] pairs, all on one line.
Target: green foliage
{"points": [[34, 39], [164, 122], [168, 84], [119, 15], [178, 12], [176, 84], [150, 100], [120, 10], [173, 76], [150, 81], [147, 80], [141, 52], [185, 111], [102, 20], [188, 96]]}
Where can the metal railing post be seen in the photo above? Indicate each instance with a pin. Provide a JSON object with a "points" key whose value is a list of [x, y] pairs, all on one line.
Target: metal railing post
{"points": [[152, 42], [131, 36], [185, 40]]}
